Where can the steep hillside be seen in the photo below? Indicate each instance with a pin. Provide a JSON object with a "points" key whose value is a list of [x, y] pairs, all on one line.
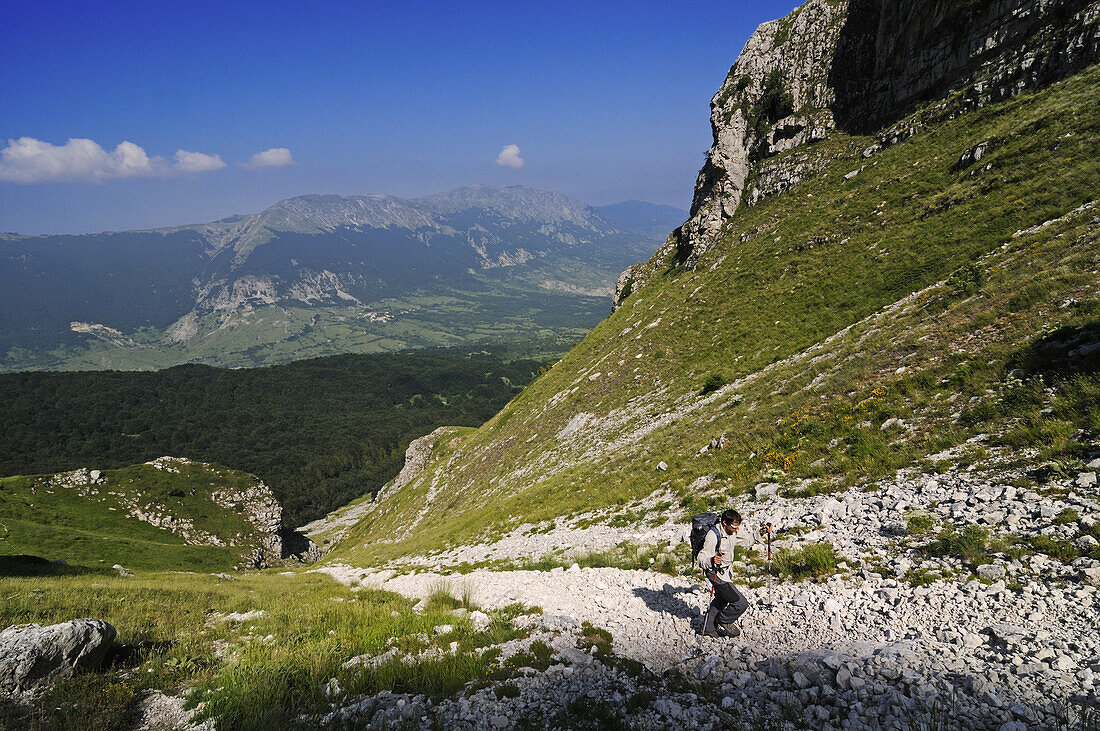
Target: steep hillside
{"points": [[516, 269], [880, 301], [169, 513]]}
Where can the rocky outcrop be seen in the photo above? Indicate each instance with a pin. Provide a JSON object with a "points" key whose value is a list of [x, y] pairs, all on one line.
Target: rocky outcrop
{"points": [[860, 66], [783, 69], [262, 539], [258, 506], [893, 56], [33, 656], [417, 456], [252, 500]]}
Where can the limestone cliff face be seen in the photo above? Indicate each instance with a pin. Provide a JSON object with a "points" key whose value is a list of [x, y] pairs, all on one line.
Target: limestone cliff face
{"points": [[796, 54], [859, 65], [895, 55]]}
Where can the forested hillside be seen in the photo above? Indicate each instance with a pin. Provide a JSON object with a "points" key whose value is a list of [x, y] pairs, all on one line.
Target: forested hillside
{"points": [[318, 432]]}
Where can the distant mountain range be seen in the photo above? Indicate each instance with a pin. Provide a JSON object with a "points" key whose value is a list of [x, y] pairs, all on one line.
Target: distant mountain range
{"points": [[513, 270]]}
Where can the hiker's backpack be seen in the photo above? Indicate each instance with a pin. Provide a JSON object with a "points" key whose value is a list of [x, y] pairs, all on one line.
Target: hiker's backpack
{"points": [[700, 524]]}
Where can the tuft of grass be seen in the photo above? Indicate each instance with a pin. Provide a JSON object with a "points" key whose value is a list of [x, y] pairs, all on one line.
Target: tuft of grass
{"points": [[809, 562], [443, 597], [917, 523]]}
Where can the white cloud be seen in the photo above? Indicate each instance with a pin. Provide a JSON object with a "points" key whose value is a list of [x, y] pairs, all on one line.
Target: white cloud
{"points": [[509, 157], [276, 157], [197, 162], [27, 160]]}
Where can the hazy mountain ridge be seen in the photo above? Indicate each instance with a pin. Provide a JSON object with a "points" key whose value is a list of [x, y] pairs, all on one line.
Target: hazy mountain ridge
{"points": [[447, 213], [176, 294]]}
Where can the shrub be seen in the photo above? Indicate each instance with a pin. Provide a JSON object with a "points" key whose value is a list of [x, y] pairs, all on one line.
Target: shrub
{"points": [[967, 279], [1061, 550], [969, 544], [1067, 516], [640, 700], [712, 383], [506, 690], [597, 637], [538, 656]]}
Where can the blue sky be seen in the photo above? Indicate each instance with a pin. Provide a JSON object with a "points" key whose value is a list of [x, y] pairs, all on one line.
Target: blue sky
{"points": [[229, 106]]}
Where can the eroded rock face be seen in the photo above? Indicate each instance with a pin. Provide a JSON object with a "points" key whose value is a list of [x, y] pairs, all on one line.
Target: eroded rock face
{"points": [[860, 66], [894, 55], [260, 508], [800, 48], [33, 656], [417, 456]]}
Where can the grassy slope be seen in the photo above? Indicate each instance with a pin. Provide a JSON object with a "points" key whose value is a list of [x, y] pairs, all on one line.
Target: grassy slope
{"points": [[790, 272], [93, 532], [261, 673]]}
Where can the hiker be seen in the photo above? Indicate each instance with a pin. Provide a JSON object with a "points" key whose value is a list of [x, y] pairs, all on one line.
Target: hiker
{"points": [[715, 559]]}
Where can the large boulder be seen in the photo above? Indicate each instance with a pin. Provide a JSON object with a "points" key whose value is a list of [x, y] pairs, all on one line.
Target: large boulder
{"points": [[32, 655]]}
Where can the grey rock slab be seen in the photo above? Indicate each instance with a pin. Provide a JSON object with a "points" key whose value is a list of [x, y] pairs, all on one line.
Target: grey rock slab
{"points": [[33, 655], [991, 571]]}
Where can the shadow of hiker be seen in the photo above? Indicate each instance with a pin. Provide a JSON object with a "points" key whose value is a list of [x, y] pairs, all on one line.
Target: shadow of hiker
{"points": [[670, 601]]}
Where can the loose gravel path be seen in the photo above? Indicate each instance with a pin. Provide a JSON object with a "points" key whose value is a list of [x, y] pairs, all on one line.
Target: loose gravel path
{"points": [[862, 649]]}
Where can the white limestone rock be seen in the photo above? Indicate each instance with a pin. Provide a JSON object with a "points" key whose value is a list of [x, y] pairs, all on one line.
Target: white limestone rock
{"points": [[33, 656]]}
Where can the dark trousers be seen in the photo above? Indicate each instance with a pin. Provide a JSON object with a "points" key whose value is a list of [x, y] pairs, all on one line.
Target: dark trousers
{"points": [[726, 607]]}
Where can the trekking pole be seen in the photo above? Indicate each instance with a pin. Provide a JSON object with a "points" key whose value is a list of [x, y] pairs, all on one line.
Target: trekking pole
{"points": [[769, 527]]}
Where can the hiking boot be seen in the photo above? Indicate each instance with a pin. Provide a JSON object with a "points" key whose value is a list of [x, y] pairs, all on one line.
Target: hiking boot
{"points": [[712, 632], [730, 630]]}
